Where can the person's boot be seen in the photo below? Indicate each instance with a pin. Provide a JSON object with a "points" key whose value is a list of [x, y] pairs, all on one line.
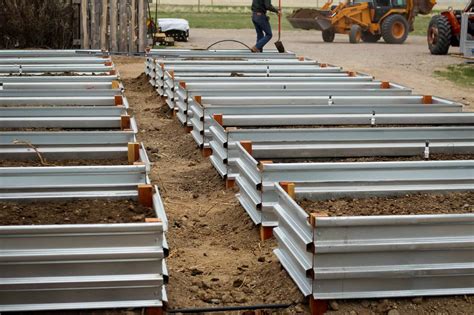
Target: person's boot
{"points": [[254, 49]]}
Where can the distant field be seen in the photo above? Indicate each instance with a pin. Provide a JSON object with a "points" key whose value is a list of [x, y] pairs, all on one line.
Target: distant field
{"points": [[238, 17]]}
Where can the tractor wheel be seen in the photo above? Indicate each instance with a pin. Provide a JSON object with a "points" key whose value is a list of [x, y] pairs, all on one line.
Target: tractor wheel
{"points": [[439, 35], [355, 34], [368, 37], [328, 36], [395, 29]]}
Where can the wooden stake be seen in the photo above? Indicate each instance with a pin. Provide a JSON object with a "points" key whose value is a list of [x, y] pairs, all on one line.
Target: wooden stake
{"points": [[152, 220], [351, 73], [313, 216], [247, 145], [182, 84], [427, 99], [133, 152], [266, 232], [145, 195], [219, 119], [317, 307], [188, 129], [154, 311], [206, 152], [289, 188], [229, 183], [262, 163], [385, 85], [125, 122], [198, 99], [118, 100], [115, 85]]}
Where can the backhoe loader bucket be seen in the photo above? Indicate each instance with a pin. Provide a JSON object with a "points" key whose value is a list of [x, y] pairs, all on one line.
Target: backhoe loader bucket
{"points": [[423, 6], [310, 19]]}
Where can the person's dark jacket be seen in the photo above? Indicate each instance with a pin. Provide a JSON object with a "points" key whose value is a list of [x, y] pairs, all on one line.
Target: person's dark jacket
{"points": [[263, 6]]}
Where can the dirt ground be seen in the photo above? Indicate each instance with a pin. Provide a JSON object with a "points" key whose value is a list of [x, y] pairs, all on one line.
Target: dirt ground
{"points": [[73, 212], [410, 64], [216, 258], [458, 202]]}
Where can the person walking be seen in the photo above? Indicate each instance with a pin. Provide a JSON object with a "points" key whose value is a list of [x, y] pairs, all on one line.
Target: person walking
{"points": [[262, 22]]}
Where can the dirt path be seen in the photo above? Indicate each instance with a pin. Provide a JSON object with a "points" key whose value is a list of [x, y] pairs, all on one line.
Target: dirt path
{"points": [[216, 257], [410, 64]]}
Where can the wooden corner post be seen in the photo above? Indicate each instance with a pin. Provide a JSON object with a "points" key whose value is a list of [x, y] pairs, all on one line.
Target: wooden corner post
{"points": [[145, 195]]}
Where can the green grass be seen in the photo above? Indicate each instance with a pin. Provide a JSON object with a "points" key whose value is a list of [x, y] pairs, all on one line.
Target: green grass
{"points": [[238, 17], [421, 24], [218, 17], [462, 74], [222, 20]]}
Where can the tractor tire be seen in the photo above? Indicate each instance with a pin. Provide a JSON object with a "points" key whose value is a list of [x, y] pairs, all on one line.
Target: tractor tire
{"points": [[439, 35], [395, 29], [355, 34], [328, 36], [368, 37]]}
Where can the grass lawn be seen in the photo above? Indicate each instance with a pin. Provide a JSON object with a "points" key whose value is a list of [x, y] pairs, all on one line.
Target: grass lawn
{"points": [[225, 17], [462, 74]]}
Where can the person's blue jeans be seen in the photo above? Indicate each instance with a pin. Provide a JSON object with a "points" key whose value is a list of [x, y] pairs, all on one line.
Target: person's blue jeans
{"points": [[263, 29]]}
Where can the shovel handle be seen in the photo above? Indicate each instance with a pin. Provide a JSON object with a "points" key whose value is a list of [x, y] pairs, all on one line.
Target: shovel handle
{"points": [[279, 19]]}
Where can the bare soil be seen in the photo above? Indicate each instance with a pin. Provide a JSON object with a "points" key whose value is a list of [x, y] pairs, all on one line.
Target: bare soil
{"points": [[422, 203], [216, 257], [454, 305], [80, 211], [37, 162]]}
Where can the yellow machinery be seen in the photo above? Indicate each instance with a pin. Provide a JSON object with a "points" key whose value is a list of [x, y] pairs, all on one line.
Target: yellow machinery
{"points": [[363, 20]]}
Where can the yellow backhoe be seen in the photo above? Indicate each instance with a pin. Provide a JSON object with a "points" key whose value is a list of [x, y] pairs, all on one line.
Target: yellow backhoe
{"points": [[363, 20]]}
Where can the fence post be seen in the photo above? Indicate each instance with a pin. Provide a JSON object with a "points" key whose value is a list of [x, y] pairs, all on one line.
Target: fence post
{"points": [[84, 28], [123, 26], [142, 31], [132, 42], [103, 25], [113, 25]]}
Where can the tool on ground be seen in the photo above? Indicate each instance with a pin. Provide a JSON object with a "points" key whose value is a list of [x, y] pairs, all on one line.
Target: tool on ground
{"points": [[278, 44], [363, 20]]}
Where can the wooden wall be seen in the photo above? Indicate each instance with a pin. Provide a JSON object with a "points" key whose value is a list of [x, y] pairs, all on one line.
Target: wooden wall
{"points": [[114, 25]]}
